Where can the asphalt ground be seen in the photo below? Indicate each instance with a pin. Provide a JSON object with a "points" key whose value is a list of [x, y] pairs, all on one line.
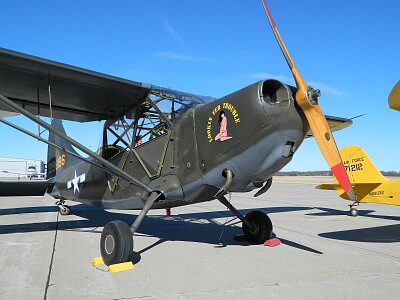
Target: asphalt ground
{"points": [[325, 254]]}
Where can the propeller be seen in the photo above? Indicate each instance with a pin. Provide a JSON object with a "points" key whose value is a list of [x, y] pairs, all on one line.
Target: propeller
{"points": [[307, 99]]}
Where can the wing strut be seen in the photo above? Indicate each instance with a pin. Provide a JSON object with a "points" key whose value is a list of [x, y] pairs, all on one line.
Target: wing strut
{"points": [[100, 161], [38, 137]]}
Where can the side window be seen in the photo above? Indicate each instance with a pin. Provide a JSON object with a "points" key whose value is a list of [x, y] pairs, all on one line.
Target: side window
{"points": [[149, 125], [143, 133]]}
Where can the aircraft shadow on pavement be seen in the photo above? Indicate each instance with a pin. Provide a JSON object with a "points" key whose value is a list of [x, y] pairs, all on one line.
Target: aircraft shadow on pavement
{"points": [[27, 210], [361, 213], [300, 246], [336, 212], [196, 227], [380, 234]]}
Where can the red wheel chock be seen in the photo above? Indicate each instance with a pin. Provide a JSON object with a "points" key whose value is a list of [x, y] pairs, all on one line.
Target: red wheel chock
{"points": [[269, 243], [272, 242]]}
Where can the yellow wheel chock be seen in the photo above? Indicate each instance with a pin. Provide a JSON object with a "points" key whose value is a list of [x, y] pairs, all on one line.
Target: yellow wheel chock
{"points": [[126, 266]]}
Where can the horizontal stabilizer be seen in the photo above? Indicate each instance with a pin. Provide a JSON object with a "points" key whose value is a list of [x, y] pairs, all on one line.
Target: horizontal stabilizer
{"points": [[336, 186], [329, 186], [23, 187]]}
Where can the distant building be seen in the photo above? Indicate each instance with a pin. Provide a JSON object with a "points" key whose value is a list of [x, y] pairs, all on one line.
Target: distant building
{"points": [[16, 166]]}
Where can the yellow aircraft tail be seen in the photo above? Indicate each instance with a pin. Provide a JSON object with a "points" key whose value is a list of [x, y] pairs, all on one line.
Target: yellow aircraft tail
{"points": [[359, 166], [363, 174]]}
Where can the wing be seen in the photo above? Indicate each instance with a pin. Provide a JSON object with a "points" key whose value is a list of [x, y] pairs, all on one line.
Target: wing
{"points": [[76, 94], [335, 124], [10, 172]]}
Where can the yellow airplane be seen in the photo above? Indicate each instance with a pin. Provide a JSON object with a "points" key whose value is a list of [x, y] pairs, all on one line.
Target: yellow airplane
{"points": [[394, 97], [368, 183]]}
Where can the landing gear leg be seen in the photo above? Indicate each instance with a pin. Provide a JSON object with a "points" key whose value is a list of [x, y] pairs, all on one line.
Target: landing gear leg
{"points": [[63, 208], [256, 226], [147, 205], [116, 243]]}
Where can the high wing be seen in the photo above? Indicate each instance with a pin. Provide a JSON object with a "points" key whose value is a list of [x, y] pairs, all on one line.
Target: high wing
{"points": [[76, 94], [335, 124]]}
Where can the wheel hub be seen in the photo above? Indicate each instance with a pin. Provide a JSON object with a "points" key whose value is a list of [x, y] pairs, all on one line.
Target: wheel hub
{"points": [[254, 228], [109, 244]]}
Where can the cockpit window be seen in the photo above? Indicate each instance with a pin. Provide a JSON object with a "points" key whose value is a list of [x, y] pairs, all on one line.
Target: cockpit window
{"points": [[148, 121], [174, 104]]}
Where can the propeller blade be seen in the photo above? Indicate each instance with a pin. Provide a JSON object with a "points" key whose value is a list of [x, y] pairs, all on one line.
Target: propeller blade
{"points": [[307, 99]]}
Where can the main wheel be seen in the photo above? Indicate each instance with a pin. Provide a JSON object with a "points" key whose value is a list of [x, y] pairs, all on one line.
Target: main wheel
{"points": [[116, 243], [262, 227]]}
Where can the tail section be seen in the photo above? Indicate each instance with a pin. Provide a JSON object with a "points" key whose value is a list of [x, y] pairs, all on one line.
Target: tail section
{"points": [[359, 166], [364, 177], [56, 158]]}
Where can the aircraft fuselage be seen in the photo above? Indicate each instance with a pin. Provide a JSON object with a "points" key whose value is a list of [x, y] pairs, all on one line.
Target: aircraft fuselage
{"points": [[253, 132]]}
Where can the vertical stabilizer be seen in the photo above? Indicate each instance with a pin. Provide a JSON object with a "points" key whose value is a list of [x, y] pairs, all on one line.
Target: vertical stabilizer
{"points": [[359, 167], [56, 158]]}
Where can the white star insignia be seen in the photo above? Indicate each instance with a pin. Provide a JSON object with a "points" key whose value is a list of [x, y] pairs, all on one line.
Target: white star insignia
{"points": [[76, 181]]}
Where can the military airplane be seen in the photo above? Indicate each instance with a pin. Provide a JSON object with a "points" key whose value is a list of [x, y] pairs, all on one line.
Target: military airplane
{"points": [[368, 183], [163, 148], [31, 172]]}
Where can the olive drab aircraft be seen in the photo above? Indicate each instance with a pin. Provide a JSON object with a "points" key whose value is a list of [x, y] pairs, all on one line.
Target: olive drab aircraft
{"points": [[163, 148], [368, 183]]}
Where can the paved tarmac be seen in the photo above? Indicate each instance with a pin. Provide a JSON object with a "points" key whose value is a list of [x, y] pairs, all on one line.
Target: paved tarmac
{"points": [[325, 254]]}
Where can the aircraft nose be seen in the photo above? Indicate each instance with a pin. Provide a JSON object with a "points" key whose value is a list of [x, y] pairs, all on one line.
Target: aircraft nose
{"points": [[282, 112]]}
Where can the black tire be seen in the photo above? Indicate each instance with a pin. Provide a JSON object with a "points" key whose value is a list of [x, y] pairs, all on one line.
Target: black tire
{"points": [[65, 210], [262, 230], [353, 212], [116, 243]]}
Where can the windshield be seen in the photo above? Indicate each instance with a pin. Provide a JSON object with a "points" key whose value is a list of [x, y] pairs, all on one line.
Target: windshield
{"points": [[174, 103]]}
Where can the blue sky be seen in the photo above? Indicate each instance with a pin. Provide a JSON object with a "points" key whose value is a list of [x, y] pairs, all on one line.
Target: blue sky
{"points": [[347, 49]]}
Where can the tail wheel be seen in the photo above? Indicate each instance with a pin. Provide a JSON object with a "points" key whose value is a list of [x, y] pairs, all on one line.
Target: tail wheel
{"points": [[261, 227], [116, 243], [65, 210], [353, 212]]}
